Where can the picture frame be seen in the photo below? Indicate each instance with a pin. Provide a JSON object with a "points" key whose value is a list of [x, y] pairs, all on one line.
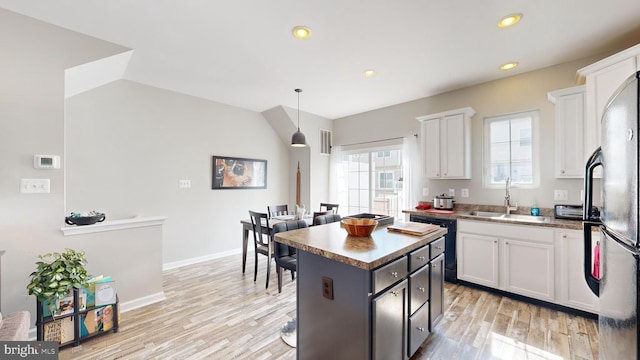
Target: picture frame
{"points": [[238, 173]]}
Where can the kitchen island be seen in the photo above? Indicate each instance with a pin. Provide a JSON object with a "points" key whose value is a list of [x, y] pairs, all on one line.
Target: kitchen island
{"points": [[371, 297]]}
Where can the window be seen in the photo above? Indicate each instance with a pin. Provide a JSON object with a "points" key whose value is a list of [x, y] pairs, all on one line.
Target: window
{"points": [[511, 149], [385, 180], [370, 182]]}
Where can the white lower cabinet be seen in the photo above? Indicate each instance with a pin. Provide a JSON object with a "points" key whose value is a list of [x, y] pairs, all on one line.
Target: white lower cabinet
{"points": [[478, 258], [528, 269], [538, 262], [515, 258], [573, 289]]}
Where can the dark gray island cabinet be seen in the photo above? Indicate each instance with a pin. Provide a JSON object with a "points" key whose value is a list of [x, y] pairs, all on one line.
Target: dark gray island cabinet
{"points": [[374, 297]]}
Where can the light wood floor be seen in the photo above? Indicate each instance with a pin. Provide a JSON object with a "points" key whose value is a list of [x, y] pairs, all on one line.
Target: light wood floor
{"points": [[213, 311]]}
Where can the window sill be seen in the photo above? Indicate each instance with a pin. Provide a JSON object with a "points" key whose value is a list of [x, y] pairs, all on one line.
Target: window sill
{"points": [[113, 225]]}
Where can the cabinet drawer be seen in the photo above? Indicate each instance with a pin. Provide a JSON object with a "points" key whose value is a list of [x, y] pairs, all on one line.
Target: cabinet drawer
{"points": [[437, 247], [418, 329], [389, 274], [418, 258], [418, 289]]}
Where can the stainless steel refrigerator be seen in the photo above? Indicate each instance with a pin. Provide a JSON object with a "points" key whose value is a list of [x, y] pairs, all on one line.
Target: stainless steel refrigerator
{"points": [[619, 250]]}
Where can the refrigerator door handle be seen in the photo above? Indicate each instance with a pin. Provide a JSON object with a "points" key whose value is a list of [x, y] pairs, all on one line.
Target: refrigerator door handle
{"points": [[594, 160], [593, 282]]}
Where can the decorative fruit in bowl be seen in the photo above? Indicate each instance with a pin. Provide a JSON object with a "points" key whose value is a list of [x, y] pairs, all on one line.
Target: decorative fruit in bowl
{"points": [[359, 227]]}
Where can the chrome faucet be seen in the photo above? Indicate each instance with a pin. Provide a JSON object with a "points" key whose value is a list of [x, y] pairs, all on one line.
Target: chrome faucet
{"points": [[507, 198]]}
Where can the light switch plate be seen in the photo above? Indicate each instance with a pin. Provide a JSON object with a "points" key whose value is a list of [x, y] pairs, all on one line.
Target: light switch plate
{"points": [[184, 184], [464, 193], [425, 191], [560, 195], [35, 186], [452, 192]]}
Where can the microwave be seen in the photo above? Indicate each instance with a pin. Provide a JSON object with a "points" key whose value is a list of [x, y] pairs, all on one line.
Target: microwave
{"points": [[574, 212]]}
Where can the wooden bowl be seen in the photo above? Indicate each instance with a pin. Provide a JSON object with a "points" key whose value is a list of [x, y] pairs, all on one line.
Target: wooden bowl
{"points": [[359, 227]]}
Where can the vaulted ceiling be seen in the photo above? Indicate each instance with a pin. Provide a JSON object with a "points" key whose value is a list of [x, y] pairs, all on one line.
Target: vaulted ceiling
{"points": [[242, 52]]}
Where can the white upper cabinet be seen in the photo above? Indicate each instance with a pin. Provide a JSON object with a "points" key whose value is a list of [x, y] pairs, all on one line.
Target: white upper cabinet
{"points": [[570, 132], [446, 144], [602, 80]]}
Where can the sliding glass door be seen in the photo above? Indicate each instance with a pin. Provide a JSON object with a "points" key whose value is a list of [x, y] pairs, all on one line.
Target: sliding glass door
{"points": [[372, 182]]}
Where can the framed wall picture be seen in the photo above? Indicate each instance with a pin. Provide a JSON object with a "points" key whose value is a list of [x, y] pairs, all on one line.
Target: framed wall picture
{"points": [[238, 173]]}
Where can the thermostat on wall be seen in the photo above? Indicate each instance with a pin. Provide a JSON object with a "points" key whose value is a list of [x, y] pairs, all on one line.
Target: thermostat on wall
{"points": [[46, 161]]}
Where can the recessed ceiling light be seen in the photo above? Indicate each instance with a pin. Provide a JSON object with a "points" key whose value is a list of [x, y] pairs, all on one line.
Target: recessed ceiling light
{"points": [[508, 66], [301, 32], [509, 20], [369, 73]]}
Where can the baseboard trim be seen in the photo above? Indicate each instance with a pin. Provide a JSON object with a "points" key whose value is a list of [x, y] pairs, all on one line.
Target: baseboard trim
{"points": [[141, 302], [199, 259]]}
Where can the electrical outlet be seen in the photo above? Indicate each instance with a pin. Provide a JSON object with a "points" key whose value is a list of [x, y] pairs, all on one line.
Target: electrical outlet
{"points": [[425, 191], [184, 184], [452, 192], [327, 287], [464, 193], [560, 195]]}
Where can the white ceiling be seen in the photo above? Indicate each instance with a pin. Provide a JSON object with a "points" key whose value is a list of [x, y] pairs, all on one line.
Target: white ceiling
{"points": [[241, 52]]}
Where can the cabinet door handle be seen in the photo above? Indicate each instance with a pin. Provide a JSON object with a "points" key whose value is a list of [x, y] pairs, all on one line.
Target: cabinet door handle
{"points": [[421, 329], [394, 274], [433, 266], [561, 171], [439, 248], [564, 236], [394, 293], [422, 258], [421, 288]]}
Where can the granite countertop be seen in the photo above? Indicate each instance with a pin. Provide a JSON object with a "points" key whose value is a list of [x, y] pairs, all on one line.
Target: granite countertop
{"points": [[332, 242], [461, 209]]}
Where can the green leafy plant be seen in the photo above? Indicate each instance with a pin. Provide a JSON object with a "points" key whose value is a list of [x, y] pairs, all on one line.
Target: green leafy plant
{"points": [[57, 274]]}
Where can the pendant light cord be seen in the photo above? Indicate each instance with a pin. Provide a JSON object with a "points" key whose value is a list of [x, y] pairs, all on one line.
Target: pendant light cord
{"points": [[298, 91]]}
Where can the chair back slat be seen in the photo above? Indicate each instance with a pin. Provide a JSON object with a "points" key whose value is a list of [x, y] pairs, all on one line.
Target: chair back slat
{"points": [[329, 207], [277, 210], [260, 224]]}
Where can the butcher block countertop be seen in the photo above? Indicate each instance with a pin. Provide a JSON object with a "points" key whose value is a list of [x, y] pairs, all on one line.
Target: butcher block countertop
{"points": [[332, 242]]}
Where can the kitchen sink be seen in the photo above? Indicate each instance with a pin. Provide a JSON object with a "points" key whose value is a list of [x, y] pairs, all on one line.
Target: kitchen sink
{"points": [[508, 217]]}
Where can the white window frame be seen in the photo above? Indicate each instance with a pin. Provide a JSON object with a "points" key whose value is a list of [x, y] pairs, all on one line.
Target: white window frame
{"points": [[535, 140], [380, 183]]}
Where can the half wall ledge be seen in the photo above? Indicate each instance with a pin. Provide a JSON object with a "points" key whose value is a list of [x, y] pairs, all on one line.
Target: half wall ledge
{"points": [[112, 225]]}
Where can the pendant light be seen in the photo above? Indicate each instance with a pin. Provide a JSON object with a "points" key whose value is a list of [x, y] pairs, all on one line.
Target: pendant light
{"points": [[298, 139]]}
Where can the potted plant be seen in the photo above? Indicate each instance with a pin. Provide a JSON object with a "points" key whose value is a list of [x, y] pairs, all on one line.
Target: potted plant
{"points": [[57, 275]]}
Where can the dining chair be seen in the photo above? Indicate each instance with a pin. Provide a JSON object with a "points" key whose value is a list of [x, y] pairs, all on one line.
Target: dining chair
{"points": [[285, 255], [329, 207], [261, 240], [320, 213], [277, 210], [326, 219]]}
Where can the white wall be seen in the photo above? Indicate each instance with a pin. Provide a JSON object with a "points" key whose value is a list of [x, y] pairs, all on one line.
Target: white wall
{"points": [[517, 93], [129, 145], [34, 57]]}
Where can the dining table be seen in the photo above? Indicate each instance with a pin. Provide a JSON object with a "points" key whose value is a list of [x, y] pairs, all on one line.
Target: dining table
{"points": [[247, 226]]}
